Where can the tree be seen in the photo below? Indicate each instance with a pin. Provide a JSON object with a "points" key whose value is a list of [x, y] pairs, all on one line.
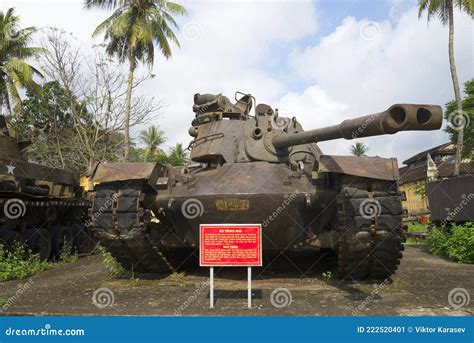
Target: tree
{"points": [[444, 9], [92, 90], [152, 138], [178, 156], [131, 33], [467, 122], [359, 149], [15, 72], [46, 120]]}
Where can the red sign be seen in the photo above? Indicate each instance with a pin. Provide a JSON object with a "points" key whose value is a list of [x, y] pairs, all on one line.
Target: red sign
{"points": [[230, 245]]}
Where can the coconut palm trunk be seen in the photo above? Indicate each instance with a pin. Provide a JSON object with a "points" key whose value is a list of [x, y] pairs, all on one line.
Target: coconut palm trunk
{"points": [[457, 91], [128, 108]]}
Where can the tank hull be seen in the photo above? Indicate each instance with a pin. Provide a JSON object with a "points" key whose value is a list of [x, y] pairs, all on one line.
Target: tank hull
{"points": [[244, 193]]}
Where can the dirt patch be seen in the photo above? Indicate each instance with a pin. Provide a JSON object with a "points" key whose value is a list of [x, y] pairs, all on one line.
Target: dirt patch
{"points": [[420, 287]]}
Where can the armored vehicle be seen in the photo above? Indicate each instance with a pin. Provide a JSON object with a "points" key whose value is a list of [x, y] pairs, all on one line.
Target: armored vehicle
{"points": [[258, 167], [41, 206]]}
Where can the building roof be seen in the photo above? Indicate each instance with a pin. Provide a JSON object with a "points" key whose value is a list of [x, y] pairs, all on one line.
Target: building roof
{"points": [[410, 174], [443, 149]]}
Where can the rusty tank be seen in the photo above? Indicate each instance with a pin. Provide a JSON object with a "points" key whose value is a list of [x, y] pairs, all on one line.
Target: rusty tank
{"points": [[42, 207], [255, 166]]}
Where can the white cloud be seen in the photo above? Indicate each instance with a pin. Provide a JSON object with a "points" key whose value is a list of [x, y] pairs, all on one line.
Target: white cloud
{"points": [[223, 46], [407, 62], [64, 14]]}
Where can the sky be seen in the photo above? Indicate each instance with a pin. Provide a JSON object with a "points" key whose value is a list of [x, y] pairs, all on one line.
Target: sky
{"points": [[322, 61]]}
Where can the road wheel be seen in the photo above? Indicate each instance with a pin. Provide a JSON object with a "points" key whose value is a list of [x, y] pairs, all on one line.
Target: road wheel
{"points": [[40, 242], [62, 237]]}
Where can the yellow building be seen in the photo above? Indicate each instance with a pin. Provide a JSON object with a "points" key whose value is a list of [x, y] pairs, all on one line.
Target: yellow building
{"points": [[434, 163]]}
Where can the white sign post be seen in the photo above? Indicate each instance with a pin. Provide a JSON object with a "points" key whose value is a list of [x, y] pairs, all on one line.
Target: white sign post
{"points": [[249, 286], [211, 292]]}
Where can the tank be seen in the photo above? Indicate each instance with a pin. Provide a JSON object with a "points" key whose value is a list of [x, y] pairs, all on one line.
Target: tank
{"points": [[42, 207], [255, 166]]}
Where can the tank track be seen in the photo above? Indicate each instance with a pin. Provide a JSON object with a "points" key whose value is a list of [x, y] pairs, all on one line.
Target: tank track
{"points": [[48, 220], [370, 230], [122, 225]]}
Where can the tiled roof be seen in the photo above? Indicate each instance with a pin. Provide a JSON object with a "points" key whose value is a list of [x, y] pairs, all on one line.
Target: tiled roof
{"points": [[445, 169], [445, 149]]}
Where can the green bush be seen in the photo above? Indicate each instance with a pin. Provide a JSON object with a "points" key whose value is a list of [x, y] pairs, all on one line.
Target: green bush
{"points": [[457, 244], [437, 241], [19, 263], [461, 243]]}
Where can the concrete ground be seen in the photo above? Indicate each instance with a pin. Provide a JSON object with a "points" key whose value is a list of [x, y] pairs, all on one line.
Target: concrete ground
{"points": [[420, 287]]}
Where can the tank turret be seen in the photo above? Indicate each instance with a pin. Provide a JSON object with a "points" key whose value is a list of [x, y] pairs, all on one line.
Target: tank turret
{"points": [[227, 133]]}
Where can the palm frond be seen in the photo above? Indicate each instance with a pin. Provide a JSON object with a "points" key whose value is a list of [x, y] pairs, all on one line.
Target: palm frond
{"points": [[102, 4], [136, 26], [15, 72]]}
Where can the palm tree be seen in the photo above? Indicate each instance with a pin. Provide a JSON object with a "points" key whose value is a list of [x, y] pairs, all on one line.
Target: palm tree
{"points": [[131, 33], [444, 10], [15, 72], [178, 156], [359, 149], [152, 138]]}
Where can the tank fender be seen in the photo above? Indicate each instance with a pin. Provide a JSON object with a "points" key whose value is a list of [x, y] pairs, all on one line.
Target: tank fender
{"points": [[370, 167]]}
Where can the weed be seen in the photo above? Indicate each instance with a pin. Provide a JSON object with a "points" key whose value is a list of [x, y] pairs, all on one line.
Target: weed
{"points": [[327, 275], [66, 255], [19, 263], [113, 267]]}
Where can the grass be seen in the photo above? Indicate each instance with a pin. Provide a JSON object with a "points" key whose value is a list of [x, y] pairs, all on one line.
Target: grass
{"points": [[411, 240], [412, 227], [181, 278], [20, 263], [113, 267], [3, 301]]}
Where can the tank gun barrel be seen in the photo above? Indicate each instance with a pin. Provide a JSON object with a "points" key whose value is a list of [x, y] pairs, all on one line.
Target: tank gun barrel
{"points": [[399, 117]]}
